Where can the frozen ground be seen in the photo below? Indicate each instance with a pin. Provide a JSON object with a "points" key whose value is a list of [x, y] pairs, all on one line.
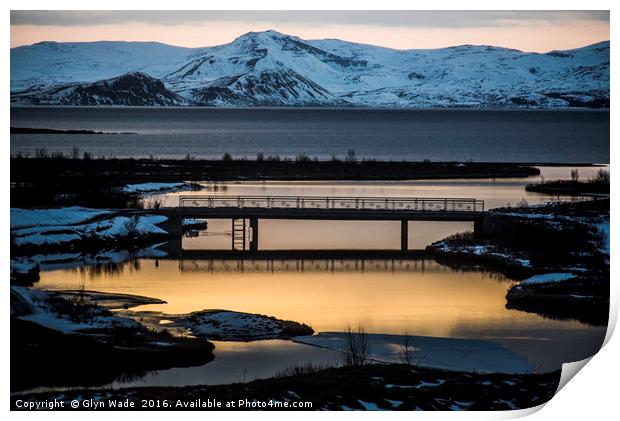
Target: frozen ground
{"points": [[603, 229], [468, 355], [482, 250], [547, 278], [42, 307], [157, 187], [232, 325], [24, 218], [66, 225]]}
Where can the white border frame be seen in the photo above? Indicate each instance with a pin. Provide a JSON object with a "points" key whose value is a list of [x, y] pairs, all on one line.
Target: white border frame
{"points": [[591, 394]]}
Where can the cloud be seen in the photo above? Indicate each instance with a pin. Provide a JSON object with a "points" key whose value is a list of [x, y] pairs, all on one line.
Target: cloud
{"points": [[418, 19]]}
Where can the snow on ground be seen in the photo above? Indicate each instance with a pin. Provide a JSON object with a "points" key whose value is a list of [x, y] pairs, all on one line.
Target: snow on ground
{"points": [[43, 313], [369, 406], [481, 250], [41, 233], [469, 355], [110, 301], [156, 187], [546, 216], [190, 222], [230, 325], [603, 229], [23, 266], [22, 218], [547, 278]]}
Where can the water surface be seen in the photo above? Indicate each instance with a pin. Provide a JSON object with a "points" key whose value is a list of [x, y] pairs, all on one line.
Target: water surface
{"points": [[439, 135], [417, 296]]}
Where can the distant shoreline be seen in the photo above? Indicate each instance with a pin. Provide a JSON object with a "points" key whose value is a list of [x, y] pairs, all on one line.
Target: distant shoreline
{"points": [[63, 169], [319, 108], [289, 160], [31, 130]]}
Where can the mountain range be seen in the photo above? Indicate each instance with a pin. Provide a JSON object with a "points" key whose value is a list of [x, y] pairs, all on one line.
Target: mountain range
{"points": [[273, 69]]}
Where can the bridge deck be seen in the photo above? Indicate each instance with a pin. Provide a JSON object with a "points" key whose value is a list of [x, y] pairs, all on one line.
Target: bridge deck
{"points": [[329, 214], [331, 208]]}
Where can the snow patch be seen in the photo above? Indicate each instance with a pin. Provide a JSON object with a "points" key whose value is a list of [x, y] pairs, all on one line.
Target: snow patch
{"points": [[38, 232], [155, 187], [369, 406], [547, 278], [96, 318], [22, 218], [230, 325]]}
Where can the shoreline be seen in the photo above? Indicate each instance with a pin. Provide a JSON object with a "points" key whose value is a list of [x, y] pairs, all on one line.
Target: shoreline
{"points": [[293, 160], [348, 107], [62, 171]]}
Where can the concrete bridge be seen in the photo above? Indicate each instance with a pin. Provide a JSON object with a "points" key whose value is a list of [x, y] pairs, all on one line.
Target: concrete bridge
{"points": [[243, 209]]}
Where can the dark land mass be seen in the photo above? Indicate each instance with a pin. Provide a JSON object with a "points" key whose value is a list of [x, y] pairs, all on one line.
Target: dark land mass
{"points": [[596, 207], [141, 170], [569, 188], [54, 181], [31, 130], [583, 299], [376, 386], [45, 357], [597, 185]]}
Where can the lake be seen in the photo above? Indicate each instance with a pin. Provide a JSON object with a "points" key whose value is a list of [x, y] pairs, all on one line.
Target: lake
{"points": [[553, 136]]}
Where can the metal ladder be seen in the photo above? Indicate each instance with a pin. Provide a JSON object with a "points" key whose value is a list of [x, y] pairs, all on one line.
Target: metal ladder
{"points": [[238, 234]]}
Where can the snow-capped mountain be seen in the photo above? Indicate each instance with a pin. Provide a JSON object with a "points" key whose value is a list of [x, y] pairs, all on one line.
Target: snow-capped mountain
{"points": [[269, 68]]}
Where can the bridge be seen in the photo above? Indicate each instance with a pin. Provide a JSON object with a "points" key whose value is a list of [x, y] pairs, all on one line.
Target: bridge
{"points": [[244, 209]]}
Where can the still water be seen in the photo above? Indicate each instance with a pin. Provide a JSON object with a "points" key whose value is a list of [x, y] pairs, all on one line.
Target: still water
{"points": [[439, 135], [417, 296]]}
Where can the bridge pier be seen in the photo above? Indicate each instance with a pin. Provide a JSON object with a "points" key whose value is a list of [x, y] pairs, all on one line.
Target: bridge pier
{"points": [[404, 235], [478, 225], [254, 229], [174, 224]]}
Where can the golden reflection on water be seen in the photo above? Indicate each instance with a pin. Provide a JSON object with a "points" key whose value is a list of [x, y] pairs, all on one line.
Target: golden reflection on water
{"points": [[420, 297], [327, 235]]}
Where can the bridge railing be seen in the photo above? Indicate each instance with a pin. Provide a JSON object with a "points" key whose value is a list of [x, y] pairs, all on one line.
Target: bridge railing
{"points": [[323, 202]]}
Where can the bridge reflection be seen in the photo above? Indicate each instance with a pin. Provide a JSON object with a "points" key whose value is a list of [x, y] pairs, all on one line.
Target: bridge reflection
{"points": [[306, 261]]}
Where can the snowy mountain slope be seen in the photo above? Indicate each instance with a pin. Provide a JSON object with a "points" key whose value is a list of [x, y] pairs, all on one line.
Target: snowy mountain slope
{"points": [[46, 63], [135, 89], [272, 87], [270, 68]]}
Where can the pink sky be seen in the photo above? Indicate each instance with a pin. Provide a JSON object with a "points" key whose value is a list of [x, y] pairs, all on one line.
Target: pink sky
{"points": [[535, 33]]}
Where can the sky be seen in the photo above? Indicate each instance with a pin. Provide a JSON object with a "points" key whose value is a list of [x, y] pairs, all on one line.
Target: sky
{"points": [[539, 31]]}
